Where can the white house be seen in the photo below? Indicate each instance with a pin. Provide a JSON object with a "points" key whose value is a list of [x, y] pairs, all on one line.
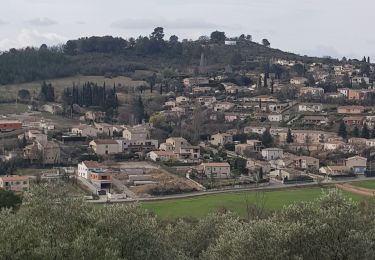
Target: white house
{"points": [[255, 130], [311, 90], [370, 143], [275, 117], [359, 80], [298, 81], [162, 156], [230, 42], [206, 100], [182, 100], [85, 167], [333, 145], [310, 107], [141, 145], [223, 106], [272, 153]]}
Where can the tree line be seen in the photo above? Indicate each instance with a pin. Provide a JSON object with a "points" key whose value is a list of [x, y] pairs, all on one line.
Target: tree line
{"points": [[114, 56], [89, 95], [31, 64], [51, 225]]}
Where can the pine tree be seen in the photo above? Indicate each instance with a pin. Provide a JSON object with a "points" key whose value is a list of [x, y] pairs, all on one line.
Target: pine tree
{"points": [[343, 131], [365, 132], [289, 137], [260, 173]]}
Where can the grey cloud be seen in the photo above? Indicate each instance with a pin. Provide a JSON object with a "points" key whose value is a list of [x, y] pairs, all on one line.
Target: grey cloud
{"points": [[42, 21], [2, 22], [170, 24], [323, 50]]}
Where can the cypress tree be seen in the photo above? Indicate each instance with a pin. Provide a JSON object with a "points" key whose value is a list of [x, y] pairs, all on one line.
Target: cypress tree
{"points": [[289, 137], [355, 132], [343, 131], [365, 132], [267, 139]]}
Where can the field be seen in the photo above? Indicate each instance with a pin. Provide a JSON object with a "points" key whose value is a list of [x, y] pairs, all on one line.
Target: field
{"points": [[12, 108], [235, 202], [29, 171], [10, 91], [365, 184]]}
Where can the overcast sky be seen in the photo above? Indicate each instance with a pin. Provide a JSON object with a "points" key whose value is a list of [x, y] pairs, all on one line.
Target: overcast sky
{"points": [[313, 27]]}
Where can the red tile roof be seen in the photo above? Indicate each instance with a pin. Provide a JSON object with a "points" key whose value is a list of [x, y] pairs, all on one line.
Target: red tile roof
{"points": [[92, 164], [14, 178]]}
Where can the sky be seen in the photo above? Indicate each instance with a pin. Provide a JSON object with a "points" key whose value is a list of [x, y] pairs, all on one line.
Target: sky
{"points": [[334, 28]]}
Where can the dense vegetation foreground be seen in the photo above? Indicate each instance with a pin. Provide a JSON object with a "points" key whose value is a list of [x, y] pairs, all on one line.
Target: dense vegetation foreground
{"points": [[51, 225]]}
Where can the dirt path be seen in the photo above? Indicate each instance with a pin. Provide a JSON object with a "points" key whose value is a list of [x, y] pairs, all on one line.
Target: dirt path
{"points": [[356, 190]]}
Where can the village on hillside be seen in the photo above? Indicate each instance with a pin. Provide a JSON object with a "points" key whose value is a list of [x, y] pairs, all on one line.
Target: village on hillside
{"points": [[287, 122]]}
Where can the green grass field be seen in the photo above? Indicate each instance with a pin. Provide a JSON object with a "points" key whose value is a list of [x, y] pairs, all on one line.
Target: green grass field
{"points": [[29, 171], [235, 202], [365, 184], [12, 108]]}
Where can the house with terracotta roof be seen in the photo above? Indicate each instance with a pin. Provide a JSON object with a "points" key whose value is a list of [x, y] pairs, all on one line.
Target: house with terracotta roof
{"points": [[86, 166], [105, 146], [9, 125], [350, 110], [14, 183], [96, 173], [354, 120], [216, 169]]}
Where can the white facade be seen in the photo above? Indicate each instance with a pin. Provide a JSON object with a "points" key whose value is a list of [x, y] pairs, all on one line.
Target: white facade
{"points": [[182, 100], [275, 117], [105, 147], [138, 145], [255, 130], [230, 43], [223, 106], [310, 107], [85, 167], [272, 153], [370, 143]]}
